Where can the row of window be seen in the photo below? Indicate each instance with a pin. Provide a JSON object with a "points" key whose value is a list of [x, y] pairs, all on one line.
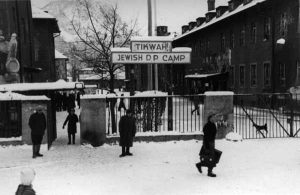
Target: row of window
{"points": [[253, 75], [204, 45]]}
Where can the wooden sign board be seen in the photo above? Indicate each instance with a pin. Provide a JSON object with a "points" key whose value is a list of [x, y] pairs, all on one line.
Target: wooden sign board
{"points": [[151, 58]]}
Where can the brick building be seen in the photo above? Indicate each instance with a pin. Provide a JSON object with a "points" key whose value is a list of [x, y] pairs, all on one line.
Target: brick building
{"points": [[248, 46]]}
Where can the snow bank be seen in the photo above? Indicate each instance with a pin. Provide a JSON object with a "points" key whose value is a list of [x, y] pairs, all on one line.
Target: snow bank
{"points": [[232, 136], [94, 96]]}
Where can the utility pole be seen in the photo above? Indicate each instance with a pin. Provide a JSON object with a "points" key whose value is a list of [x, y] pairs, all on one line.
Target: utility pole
{"points": [[149, 69]]}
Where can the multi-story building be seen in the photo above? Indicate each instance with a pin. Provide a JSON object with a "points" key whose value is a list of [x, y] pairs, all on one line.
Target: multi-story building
{"points": [[248, 46], [45, 30], [15, 17]]}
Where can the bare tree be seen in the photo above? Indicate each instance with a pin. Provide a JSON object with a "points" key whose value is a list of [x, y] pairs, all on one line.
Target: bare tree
{"points": [[100, 28]]}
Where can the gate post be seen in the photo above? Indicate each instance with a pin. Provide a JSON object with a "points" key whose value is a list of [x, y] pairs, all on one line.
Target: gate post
{"points": [[292, 117], [220, 103], [93, 120]]}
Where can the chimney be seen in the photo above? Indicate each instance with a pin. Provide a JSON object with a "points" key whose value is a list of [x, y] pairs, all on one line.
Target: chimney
{"points": [[211, 5], [192, 25], [184, 29], [200, 20], [233, 4], [221, 10], [162, 31], [210, 15]]}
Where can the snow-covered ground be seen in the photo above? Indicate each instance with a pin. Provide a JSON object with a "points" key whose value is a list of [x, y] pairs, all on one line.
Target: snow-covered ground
{"points": [[265, 166]]}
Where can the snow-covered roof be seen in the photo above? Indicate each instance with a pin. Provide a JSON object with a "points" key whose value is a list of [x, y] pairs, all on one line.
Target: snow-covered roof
{"points": [[151, 94], [182, 49], [196, 76], [153, 38], [15, 96], [40, 14], [227, 14], [58, 85], [218, 93], [59, 55], [120, 49]]}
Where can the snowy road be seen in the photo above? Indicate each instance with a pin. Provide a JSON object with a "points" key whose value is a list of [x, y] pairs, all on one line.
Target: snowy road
{"points": [[269, 166]]}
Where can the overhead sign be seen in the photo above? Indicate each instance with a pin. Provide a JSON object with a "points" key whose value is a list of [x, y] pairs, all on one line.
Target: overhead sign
{"points": [[151, 46], [151, 58]]}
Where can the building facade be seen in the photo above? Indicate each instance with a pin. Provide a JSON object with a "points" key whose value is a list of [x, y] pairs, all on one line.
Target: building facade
{"points": [[45, 30], [15, 17], [248, 46]]}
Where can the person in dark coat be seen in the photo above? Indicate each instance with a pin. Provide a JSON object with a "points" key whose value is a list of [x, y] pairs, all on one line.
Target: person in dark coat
{"points": [[127, 129], [37, 124], [25, 188], [72, 120], [122, 104], [207, 152]]}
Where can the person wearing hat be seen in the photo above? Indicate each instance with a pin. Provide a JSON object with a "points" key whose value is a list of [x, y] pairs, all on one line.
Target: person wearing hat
{"points": [[25, 188], [37, 124], [71, 119], [127, 131]]}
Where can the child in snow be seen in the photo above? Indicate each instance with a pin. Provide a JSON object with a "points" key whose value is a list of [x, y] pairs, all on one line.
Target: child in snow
{"points": [[25, 188], [71, 119]]}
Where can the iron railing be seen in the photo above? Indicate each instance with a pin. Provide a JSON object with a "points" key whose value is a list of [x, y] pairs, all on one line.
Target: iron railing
{"points": [[255, 115]]}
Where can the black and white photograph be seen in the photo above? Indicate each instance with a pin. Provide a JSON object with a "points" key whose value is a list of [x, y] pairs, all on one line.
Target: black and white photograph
{"points": [[149, 97]]}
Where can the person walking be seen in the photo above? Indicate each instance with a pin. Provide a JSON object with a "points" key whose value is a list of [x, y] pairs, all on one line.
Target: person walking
{"points": [[72, 120], [127, 129], [78, 99], [25, 188], [209, 156], [37, 124]]}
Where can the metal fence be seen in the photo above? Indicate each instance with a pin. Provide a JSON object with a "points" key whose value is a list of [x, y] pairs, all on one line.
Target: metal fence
{"points": [[255, 115]]}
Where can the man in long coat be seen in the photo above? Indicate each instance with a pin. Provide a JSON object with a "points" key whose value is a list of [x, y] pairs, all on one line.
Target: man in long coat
{"points": [[37, 124], [127, 129], [208, 156], [71, 119]]}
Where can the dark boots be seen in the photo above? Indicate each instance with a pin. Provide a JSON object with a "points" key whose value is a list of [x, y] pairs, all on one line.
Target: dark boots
{"points": [[199, 167], [36, 151], [210, 173], [125, 151], [73, 138]]}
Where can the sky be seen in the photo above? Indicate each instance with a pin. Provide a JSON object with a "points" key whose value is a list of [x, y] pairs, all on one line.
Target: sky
{"points": [[171, 13]]}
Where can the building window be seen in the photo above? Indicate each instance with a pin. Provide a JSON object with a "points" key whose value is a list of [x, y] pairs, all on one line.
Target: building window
{"points": [[231, 40], [253, 33], [222, 41], [231, 77], [253, 75], [298, 72], [36, 49], [267, 75], [283, 24], [242, 36], [282, 74], [207, 45], [267, 28], [242, 76]]}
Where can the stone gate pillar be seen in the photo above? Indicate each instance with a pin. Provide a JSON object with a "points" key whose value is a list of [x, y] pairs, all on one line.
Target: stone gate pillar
{"points": [[93, 120], [221, 103]]}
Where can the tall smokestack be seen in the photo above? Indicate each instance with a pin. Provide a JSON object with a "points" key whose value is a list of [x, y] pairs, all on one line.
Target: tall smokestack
{"points": [[211, 5]]}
